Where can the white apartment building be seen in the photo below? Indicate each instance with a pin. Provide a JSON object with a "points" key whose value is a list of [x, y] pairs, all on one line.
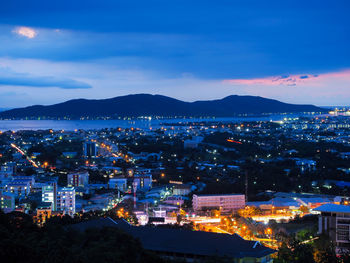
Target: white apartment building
{"points": [[226, 202], [65, 200]]}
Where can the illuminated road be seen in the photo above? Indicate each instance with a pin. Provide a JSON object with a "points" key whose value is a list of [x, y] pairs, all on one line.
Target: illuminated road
{"points": [[211, 224], [24, 154], [204, 220], [109, 149]]}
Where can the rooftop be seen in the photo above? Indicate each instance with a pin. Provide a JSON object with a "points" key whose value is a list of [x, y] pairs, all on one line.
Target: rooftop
{"points": [[333, 208], [219, 195], [199, 243]]}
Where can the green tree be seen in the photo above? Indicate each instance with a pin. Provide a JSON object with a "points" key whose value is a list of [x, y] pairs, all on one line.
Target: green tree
{"points": [[324, 250]]}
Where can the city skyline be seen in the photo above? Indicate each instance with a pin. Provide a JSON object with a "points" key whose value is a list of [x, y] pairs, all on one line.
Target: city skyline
{"points": [[52, 52], [175, 131]]}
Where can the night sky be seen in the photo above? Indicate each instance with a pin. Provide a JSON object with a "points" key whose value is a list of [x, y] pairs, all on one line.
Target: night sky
{"points": [[294, 51]]}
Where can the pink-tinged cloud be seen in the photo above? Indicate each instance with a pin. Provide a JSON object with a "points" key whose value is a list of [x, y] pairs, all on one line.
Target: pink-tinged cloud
{"points": [[292, 80], [25, 31]]}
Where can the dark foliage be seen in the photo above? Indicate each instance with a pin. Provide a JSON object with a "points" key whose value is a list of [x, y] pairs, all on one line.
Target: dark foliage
{"points": [[22, 241]]}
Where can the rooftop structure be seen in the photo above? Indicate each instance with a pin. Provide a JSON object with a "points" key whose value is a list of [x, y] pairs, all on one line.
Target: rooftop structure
{"points": [[186, 244]]}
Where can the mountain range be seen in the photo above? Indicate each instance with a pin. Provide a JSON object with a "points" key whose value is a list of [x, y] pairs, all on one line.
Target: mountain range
{"points": [[157, 105]]}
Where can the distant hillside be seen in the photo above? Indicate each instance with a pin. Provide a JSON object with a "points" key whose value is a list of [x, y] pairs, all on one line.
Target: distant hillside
{"points": [[157, 105]]}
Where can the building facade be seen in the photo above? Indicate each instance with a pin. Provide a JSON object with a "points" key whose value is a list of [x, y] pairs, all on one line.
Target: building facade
{"points": [[65, 200], [181, 189], [228, 202], [62, 199], [7, 202], [90, 149], [144, 182], [118, 183], [49, 194], [79, 179], [334, 221]]}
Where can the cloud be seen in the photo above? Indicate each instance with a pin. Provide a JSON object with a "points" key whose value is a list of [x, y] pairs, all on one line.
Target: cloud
{"points": [[291, 80], [331, 88], [295, 80], [25, 31], [9, 78], [231, 38], [108, 79]]}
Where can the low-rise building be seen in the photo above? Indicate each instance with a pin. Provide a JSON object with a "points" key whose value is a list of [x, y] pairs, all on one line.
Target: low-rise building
{"points": [[174, 200], [43, 212], [118, 183], [7, 170], [78, 179], [144, 181], [18, 188], [190, 144], [7, 202], [181, 189], [226, 202]]}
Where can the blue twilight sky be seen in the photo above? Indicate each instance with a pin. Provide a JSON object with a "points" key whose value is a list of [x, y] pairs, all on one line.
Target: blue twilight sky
{"points": [[292, 50]]}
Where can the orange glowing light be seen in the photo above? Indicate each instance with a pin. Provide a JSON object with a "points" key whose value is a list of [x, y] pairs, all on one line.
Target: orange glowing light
{"points": [[229, 140]]}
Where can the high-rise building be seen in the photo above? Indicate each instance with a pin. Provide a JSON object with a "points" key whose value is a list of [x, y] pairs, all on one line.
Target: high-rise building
{"points": [[49, 194], [78, 179], [334, 221], [62, 199], [66, 200], [90, 149]]}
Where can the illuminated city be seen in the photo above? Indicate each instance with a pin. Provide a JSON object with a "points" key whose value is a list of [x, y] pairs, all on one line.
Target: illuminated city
{"points": [[174, 131]]}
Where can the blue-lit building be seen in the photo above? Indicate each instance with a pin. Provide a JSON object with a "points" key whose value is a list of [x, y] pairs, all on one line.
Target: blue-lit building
{"points": [[90, 149]]}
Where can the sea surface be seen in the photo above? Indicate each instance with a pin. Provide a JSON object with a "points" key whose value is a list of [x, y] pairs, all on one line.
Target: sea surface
{"points": [[71, 125]]}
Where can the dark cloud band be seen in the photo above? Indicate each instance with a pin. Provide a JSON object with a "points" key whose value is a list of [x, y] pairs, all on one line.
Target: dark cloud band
{"points": [[18, 79]]}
